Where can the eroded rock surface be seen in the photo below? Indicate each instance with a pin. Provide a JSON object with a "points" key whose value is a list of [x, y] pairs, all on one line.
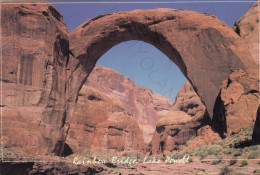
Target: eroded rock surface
{"points": [[41, 83], [100, 123], [178, 126], [247, 27], [34, 51], [146, 106], [237, 104], [188, 38]]}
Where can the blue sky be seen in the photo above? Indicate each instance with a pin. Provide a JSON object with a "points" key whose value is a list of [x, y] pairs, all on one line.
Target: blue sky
{"points": [[142, 62]]}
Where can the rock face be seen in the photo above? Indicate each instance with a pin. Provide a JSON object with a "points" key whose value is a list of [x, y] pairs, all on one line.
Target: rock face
{"points": [[101, 123], [178, 126], [188, 101], [140, 102], [34, 45], [42, 77], [247, 27], [188, 37], [205, 135], [119, 133], [237, 104]]}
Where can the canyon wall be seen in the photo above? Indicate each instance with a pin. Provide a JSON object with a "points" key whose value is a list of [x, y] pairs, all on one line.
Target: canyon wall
{"points": [[34, 51], [146, 106], [186, 116], [100, 123]]}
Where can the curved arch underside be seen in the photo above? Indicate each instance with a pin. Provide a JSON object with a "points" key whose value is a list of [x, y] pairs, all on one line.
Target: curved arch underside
{"points": [[204, 48]]}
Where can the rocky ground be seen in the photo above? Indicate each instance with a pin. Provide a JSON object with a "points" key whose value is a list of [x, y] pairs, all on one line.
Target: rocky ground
{"points": [[234, 155]]}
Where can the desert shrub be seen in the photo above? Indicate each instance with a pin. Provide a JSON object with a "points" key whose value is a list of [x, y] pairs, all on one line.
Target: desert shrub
{"points": [[213, 150], [246, 149], [110, 170], [183, 153], [256, 171], [88, 153], [232, 161], [194, 152], [190, 160], [163, 158], [217, 160], [225, 170], [117, 171], [125, 154], [203, 154], [228, 151], [187, 143], [244, 163], [254, 147], [174, 155], [253, 155], [238, 152], [240, 174]]}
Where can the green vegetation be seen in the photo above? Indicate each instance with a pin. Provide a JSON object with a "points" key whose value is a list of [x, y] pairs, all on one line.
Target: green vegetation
{"points": [[217, 160], [225, 170], [187, 143], [256, 171], [233, 161], [233, 145], [163, 158], [253, 155], [190, 160], [244, 163], [238, 152]]}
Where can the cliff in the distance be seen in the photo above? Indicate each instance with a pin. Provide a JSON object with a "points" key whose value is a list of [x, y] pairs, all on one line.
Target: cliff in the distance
{"points": [[140, 102], [100, 123]]}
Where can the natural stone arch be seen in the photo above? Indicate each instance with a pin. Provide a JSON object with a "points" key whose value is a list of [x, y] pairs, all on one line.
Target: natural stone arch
{"points": [[204, 48]]}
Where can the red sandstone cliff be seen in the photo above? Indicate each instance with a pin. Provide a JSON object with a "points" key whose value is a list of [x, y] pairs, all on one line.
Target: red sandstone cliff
{"points": [[140, 102], [186, 116], [101, 123]]}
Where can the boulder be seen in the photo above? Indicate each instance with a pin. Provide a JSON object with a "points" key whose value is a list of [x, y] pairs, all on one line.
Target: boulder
{"points": [[237, 104]]}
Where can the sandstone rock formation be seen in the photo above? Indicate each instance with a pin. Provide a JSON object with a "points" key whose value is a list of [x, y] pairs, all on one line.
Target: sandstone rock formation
{"points": [[42, 77], [178, 126], [120, 132], [34, 41], [247, 27], [237, 103], [188, 38], [171, 131], [100, 123], [188, 101], [205, 135], [140, 102]]}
